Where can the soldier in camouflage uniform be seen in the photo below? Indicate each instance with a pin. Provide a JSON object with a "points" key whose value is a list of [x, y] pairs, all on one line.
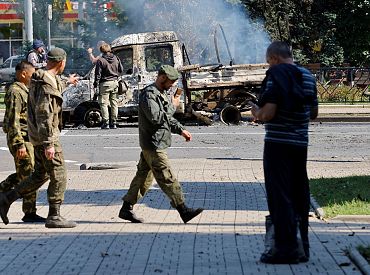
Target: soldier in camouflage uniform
{"points": [[156, 123], [15, 127], [44, 124]]}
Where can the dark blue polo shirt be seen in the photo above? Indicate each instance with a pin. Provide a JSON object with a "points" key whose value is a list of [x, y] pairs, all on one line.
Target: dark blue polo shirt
{"points": [[290, 124]]}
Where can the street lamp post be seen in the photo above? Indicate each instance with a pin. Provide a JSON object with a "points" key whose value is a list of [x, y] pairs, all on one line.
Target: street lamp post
{"points": [[28, 20], [50, 17]]}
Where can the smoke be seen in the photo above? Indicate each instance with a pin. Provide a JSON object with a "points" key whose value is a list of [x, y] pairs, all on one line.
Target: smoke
{"points": [[195, 22]]}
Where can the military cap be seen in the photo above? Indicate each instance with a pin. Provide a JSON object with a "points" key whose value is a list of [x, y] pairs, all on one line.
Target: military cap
{"points": [[57, 54], [169, 71]]}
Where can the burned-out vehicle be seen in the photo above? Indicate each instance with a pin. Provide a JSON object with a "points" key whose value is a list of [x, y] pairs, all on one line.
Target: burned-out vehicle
{"points": [[210, 91]]}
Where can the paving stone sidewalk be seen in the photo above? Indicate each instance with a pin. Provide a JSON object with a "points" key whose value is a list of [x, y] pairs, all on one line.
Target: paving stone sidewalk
{"points": [[226, 239]]}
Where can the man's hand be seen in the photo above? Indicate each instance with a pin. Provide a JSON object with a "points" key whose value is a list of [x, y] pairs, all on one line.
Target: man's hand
{"points": [[50, 153], [254, 109], [90, 50], [175, 101], [73, 79], [21, 153], [186, 135]]}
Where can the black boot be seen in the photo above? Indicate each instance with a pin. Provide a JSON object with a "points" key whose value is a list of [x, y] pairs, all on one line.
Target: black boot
{"points": [[186, 213], [33, 217], [128, 214], [55, 220], [6, 199]]}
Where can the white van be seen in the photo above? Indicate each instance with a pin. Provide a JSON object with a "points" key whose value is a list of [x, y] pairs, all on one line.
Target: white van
{"points": [[7, 69]]}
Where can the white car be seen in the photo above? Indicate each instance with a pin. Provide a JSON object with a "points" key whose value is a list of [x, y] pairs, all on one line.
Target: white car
{"points": [[7, 69]]}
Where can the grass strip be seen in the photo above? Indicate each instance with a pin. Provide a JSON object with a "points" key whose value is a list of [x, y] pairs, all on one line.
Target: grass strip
{"points": [[342, 196]]}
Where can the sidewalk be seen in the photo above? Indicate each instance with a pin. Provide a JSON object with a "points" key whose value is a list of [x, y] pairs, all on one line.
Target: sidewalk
{"points": [[227, 238]]}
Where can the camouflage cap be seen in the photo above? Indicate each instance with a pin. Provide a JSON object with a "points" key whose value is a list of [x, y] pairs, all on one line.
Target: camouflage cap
{"points": [[57, 54], [169, 71]]}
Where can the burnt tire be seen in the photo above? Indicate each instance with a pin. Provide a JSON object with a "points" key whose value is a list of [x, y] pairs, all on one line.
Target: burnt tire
{"points": [[92, 117]]}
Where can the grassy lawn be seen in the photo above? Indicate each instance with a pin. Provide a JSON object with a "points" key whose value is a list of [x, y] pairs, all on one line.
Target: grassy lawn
{"points": [[342, 196]]}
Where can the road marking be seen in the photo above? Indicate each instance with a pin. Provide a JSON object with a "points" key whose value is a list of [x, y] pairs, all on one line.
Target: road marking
{"points": [[70, 161], [63, 132], [194, 134], [4, 148], [185, 147]]}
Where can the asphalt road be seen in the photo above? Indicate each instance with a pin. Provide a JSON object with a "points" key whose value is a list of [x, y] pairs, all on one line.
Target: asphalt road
{"points": [[328, 142]]}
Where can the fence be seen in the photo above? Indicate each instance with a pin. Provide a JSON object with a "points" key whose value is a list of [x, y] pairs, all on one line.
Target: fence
{"points": [[343, 84]]}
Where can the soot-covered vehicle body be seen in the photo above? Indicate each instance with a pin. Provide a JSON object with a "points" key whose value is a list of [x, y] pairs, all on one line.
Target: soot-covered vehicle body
{"points": [[210, 91]]}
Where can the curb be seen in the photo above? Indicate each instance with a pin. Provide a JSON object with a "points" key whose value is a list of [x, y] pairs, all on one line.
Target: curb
{"points": [[359, 261], [319, 212]]}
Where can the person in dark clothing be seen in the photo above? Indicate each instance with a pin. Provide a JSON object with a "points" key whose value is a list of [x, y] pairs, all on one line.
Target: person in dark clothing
{"points": [[37, 57], [107, 71], [288, 101]]}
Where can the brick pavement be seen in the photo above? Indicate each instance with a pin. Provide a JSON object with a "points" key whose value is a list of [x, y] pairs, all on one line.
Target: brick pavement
{"points": [[226, 239]]}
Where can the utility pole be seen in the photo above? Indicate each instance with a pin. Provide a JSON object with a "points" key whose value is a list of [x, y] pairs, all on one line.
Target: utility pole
{"points": [[80, 17], [50, 17], [28, 20]]}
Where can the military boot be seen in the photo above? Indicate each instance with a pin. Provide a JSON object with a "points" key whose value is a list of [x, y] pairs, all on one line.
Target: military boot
{"points": [[128, 214], [187, 213], [33, 217], [6, 199], [55, 220]]}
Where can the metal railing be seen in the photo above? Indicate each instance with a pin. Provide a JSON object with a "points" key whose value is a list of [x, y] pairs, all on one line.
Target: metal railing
{"points": [[343, 84]]}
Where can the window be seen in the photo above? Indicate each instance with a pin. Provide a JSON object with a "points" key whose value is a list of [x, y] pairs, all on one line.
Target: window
{"points": [[16, 61], [155, 57], [126, 57], [6, 64]]}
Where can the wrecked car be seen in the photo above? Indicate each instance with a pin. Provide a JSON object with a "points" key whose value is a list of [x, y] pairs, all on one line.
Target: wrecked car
{"points": [[210, 91]]}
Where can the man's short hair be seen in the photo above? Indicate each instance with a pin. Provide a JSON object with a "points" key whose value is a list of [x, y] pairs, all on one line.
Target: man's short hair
{"points": [[279, 48], [105, 48], [23, 66]]}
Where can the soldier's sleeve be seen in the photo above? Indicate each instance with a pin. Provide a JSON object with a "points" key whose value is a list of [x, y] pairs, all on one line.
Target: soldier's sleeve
{"points": [[97, 73], [176, 126], [44, 117], [14, 107]]}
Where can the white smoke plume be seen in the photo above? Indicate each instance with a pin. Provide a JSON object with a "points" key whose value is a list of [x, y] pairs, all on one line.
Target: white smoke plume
{"points": [[195, 22]]}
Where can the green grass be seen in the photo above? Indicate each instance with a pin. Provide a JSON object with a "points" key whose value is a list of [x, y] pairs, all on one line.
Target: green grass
{"points": [[342, 196], [365, 252]]}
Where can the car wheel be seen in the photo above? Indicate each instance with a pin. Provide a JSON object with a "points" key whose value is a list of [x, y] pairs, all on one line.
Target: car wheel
{"points": [[93, 117]]}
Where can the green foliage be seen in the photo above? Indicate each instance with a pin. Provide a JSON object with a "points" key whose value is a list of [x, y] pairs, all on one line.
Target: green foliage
{"points": [[39, 14], [340, 28], [342, 196], [99, 24], [340, 93]]}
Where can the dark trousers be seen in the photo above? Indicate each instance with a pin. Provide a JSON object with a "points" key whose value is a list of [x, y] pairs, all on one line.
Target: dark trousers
{"points": [[288, 194]]}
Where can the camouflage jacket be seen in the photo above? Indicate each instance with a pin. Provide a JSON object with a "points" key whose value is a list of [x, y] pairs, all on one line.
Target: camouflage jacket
{"points": [[15, 118], [45, 108], [156, 120]]}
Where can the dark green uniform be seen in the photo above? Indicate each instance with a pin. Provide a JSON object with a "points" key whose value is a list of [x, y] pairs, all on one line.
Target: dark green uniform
{"points": [[15, 127], [156, 123], [44, 121]]}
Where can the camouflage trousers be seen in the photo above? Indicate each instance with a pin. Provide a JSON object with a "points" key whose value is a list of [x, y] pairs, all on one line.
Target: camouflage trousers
{"points": [[108, 96], [154, 164], [23, 168], [53, 170]]}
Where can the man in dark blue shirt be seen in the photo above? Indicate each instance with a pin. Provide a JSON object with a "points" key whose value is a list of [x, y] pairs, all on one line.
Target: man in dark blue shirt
{"points": [[288, 101]]}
